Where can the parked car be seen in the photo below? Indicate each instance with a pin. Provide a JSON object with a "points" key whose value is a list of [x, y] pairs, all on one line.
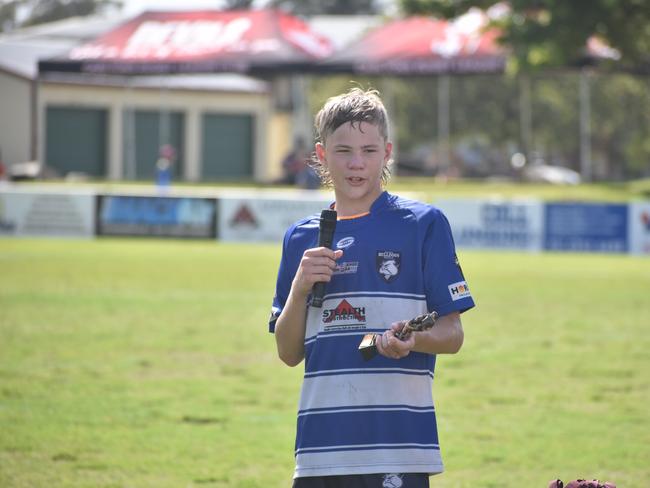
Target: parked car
{"points": [[556, 175]]}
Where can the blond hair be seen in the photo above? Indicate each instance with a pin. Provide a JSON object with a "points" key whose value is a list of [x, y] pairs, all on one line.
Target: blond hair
{"points": [[355, 106]]}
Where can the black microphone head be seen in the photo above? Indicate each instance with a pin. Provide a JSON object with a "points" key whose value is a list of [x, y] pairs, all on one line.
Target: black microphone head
{"points": [[327, 218]]}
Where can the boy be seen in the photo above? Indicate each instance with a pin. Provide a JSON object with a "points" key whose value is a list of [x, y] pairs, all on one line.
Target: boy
{"points": [[366, 423]]}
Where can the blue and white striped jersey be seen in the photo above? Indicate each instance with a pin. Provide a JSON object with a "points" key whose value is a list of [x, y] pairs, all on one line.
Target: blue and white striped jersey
{"points": [[358, 417]]}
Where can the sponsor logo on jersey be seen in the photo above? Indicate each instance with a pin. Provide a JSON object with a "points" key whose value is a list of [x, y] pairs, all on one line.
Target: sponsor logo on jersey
{"points": [[346, 268], [459, 290], [345, 312], [388, 264], [345, 242]]}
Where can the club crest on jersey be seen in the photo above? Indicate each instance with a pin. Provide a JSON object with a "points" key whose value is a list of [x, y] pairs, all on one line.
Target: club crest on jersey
{"points": [[392, 481], [388, 264]]}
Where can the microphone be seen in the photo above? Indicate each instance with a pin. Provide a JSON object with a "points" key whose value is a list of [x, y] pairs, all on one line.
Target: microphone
{"points": [[325, 238]]}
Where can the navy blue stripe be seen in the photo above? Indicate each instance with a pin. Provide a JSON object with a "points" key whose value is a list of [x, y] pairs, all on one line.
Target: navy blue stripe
{"points": [[334, 430], [362, 294], [368, 448], [338, 372], [364, 407], [343, 351]]}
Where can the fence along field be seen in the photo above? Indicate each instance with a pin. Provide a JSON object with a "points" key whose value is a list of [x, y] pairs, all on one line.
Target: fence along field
{"points": [[137, 363]]}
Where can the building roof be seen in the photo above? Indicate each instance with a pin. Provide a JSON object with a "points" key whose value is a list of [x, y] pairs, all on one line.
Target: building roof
{"points": [[222, 82], [21, 49]]}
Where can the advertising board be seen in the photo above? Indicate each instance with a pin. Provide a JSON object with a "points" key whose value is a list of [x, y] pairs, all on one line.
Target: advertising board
{"points": [[586, 227], [47, 214], [156, 216], [263, 219], [639, 222], [495, 224]]}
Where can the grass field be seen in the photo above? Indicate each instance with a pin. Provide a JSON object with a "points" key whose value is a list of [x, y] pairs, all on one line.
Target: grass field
{"points": [[146, 363]]}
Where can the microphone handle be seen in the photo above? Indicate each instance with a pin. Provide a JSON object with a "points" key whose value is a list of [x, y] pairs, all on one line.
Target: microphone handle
{"points": [[325, 238], [318, 292]]}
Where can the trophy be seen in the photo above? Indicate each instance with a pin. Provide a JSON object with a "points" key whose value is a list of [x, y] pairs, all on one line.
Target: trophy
{"points": [[368, 345]]}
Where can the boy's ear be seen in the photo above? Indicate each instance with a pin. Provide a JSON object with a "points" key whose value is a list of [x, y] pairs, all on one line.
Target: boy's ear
{"points": [[388, 151], [320, 152]]}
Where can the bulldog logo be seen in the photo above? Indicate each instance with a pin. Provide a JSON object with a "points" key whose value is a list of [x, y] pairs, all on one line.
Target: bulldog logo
{"points": [[392, 481], [388, 264]]}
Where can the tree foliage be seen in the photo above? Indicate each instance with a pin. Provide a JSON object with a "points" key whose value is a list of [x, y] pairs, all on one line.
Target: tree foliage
{"points": [[546, 33], [327, 7], [42, 11], [485, 121], [237, 4]]}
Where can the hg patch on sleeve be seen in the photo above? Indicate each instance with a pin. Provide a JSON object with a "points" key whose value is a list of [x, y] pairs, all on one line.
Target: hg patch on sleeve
{"points": [[459, 290]]}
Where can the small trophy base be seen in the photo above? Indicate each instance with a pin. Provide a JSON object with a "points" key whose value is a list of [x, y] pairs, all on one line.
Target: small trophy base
{"points": [[368, 346]]}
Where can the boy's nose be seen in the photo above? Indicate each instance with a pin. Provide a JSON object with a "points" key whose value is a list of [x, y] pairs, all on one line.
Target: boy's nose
{"points": [[356, 160]]}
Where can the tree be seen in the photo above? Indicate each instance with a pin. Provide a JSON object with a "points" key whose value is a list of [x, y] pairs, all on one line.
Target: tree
{"points": [[327, 7], [545, 33], [238, 4], [42, 11]]}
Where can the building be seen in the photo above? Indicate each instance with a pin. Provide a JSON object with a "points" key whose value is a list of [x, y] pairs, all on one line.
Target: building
{"points": [[221, 126]]}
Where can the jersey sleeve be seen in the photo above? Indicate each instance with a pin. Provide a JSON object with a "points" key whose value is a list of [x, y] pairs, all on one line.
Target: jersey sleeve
{"points": [[447, 290], [283, 283]]}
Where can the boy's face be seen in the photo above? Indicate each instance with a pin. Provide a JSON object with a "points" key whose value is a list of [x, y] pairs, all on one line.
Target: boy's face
{"points": [[355, 155]]}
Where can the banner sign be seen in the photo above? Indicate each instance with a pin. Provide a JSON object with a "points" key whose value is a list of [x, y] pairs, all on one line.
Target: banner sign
{"points": [[639, 220], [121, 215], [495, 224], [592, 227], [263, 219], [46, 214]]}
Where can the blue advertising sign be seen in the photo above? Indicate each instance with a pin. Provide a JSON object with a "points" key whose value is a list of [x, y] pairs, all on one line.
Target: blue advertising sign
{"points": [[591, 227], [120, 215]]}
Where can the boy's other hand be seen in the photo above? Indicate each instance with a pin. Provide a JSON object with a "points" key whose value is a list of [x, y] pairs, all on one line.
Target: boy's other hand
{"points": [[390, 346]]}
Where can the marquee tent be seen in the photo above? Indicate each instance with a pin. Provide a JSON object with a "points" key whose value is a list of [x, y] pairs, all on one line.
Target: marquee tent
{"points": [[247, 41], [425, 46]]}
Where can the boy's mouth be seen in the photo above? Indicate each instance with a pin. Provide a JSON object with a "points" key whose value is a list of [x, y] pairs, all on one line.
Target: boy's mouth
{"points": [[355, 180]]}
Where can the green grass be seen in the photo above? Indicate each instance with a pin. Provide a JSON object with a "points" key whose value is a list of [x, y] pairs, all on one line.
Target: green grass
{"points": [[142, 363]]}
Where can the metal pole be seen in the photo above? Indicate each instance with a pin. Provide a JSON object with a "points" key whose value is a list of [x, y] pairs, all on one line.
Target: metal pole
{"points": [[525, 115], [388, 96], [129, 130], [586, 169], [302, 123], [443, 121]]}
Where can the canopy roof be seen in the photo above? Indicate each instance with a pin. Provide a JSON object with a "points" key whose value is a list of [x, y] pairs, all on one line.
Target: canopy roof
{"points": [[198, 41], [424, 45]]}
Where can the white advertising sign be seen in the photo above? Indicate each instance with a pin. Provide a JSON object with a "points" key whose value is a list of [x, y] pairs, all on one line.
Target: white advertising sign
{"points": [[639, 227], [24, 213], [263, 219], [495, 224]]}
